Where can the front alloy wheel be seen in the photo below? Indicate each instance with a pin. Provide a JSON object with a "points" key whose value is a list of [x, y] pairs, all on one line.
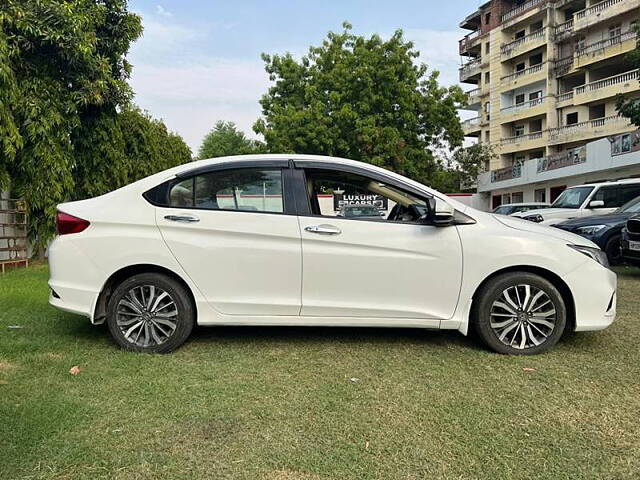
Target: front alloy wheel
{"points": [[150, 312], [519, 313]]}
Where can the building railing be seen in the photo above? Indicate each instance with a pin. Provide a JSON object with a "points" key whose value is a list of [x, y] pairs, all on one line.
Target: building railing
{"points": [[555, 133], [470, 68], [514, 12], [468, 39], [603, 44], [524, 105], [521, 138], [563, 28], [474, 93], [563, 65], [597, 8], [564, 97], [575, 156], [608, 82], [471, 122], [507, 173], [507, 48], [526, 71]]}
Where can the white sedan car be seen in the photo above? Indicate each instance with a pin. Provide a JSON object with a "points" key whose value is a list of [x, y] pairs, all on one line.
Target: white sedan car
{"points": [[255, 240]]}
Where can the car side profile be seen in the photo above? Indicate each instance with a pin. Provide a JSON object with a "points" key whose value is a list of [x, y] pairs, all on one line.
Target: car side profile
{"points": [[253, 240]]}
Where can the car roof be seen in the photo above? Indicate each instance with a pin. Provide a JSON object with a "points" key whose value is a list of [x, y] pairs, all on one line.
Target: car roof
{"points": [[521, 204], [622, 181]]}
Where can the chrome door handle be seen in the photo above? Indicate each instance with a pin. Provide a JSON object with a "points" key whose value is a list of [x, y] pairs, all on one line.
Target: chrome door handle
{"points": [[323, 229], [182, 218]]}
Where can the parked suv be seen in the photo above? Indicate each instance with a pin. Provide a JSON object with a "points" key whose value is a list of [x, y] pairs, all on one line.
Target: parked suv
{"points": [[585, 200], [631, 241], [604, 230]]}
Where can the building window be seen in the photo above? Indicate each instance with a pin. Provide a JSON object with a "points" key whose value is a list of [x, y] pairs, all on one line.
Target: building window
{"points": [[487, 48], [535, 59], [540, 195], [487, 137], [487, 78], [518, 130], [614, 32], [487, 18], [517, 197], [506, 198], [572, 118], [520, 67], [597, 111], [520, 98], [520, 34], [536, 26], [535, 126], [535, 95], [535, 155]]}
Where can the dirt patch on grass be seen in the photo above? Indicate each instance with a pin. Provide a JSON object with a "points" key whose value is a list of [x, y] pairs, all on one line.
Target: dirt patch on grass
{"points": [[6, 366]]}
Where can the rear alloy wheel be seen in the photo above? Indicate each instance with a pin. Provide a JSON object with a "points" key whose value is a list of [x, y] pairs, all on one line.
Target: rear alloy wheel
{"points": [[150, 313], [520, 314]]}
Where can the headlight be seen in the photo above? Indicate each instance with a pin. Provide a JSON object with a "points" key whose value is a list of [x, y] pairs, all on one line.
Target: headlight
{"points": [[590, 230], [593, 253], [534, 218]]}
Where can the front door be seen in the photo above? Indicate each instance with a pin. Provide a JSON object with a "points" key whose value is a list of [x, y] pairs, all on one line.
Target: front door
{"points": [[381, 264], [232, 235]]}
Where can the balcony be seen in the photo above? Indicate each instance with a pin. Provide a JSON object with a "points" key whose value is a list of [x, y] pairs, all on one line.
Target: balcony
{"points": [[607, 88], [563, 31], [474, 99], [469, 41], [524, 44], [528, 75], [522, 142], [471, 126], [564, 99], [470, 70], [508, 173], [602, 11], [601, 127], [532, 108], [611, 47], [563, 66], [520, 9]]}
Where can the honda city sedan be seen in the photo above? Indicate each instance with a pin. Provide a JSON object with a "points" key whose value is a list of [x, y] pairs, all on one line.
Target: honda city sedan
{"points": [[257, 240]]}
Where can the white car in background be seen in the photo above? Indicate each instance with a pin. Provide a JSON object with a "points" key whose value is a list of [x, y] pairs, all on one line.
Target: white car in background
{"points": [[585, 200], [246, 241], [513, 208]]}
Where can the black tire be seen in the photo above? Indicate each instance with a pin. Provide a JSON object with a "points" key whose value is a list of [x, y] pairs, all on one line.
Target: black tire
{"points": [[613, 250], [541, 337], [168, 339]]}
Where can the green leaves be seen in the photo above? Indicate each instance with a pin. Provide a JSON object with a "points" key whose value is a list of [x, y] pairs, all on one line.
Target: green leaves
{"points": [[66, 128], [630, 107], [225, 139], [360, 98]]}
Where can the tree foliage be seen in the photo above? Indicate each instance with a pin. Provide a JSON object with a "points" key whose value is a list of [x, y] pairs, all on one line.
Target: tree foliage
{"points": [[64, 96], [361, 98], [630, 107], [225, 139]]}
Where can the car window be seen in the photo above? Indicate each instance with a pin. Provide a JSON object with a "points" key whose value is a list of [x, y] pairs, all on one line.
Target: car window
{"points": [[245, 189], [332, 193], [609, 195], [572, 197], [503, 210], [631, 207], [629, 193]]}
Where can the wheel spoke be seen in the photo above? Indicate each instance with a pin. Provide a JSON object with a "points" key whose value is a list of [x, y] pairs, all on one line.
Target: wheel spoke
{"points": [[130, 331], [535, 341], [523, 334], [505, 307], [507, 330], [513, 304], [157, 301], [502, 324], [541, 322], [132, 306]]}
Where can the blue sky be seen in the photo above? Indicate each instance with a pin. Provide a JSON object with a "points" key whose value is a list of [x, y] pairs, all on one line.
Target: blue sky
{"points": [[199, 61]]}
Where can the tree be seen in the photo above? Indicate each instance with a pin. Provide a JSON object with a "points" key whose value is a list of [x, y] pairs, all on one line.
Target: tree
{"points": [[114, 150], [360, 98], [225, 139], [630, 107], [62, 65]]}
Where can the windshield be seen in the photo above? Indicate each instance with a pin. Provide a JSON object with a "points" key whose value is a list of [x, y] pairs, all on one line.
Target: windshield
{"points": [[361, 211], [572, 197], [503, 210], [630, 207]]}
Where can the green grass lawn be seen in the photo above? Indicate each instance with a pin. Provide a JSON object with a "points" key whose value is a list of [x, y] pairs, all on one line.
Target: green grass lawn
{"points": [[280, 403]]}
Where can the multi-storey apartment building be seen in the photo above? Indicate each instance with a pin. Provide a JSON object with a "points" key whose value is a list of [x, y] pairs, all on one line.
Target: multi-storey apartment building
{"points": [[546, 74]]}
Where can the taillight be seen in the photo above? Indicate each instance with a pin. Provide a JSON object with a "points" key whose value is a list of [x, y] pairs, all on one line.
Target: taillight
{"points": [[66, 224]]}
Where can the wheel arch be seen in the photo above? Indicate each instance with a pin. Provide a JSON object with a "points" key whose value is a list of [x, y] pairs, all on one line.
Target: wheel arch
{"points": [[552, 277], [118, 276]]}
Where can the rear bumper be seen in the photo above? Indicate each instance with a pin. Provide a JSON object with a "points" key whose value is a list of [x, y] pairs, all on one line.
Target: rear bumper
{"points": [[73, 277], [594, 293]]}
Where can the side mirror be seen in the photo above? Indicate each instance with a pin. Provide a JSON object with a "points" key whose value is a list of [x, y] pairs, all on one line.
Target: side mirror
{"points": [[596, 204], [439, 213]]}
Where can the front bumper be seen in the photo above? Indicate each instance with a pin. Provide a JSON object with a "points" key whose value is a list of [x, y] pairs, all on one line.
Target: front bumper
{"points": [[594, 293]]}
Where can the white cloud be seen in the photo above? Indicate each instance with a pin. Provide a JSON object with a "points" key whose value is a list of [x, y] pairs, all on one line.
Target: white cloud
{"points": [[439, 50], [162, 12]]}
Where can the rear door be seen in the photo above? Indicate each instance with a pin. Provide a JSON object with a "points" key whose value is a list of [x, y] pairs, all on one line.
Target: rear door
{"points": [[237, 237]]}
